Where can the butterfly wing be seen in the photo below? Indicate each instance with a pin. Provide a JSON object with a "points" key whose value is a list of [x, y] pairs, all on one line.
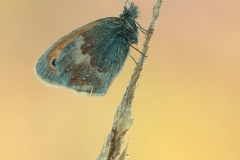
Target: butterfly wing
{"points": [[87, 59]]}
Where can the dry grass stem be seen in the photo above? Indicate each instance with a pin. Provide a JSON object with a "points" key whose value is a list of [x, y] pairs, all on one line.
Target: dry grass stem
{"points": [[122, 120]]}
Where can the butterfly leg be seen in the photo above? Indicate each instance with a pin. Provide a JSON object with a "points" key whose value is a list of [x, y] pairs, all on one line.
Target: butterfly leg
{"points": [[142, 29], [137, 50], [133, 59]]}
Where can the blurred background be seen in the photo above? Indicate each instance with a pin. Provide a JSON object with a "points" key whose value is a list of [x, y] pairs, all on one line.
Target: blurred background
{"points": [[187, 106]]}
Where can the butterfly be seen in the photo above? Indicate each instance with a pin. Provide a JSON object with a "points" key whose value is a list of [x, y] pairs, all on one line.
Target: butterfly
{"points": [[89, 58]]}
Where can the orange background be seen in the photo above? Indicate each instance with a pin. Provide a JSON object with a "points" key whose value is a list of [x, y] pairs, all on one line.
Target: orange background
{"points": [[187, 106]]}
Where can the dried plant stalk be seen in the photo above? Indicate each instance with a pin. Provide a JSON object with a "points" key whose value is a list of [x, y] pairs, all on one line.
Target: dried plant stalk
{"points": [[122, 120]]}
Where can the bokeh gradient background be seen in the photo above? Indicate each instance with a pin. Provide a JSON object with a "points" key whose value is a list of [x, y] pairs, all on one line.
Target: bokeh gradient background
{"points": [[187, 106]]}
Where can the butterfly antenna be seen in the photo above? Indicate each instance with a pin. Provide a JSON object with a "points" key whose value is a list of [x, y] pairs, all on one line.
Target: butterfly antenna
{"points": [[125, 3], [133, 59], [137, 50], [142, 29]]}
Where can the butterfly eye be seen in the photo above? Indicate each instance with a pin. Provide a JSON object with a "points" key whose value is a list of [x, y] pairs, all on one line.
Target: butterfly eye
{"points": [[129, 12], [54, 62]]}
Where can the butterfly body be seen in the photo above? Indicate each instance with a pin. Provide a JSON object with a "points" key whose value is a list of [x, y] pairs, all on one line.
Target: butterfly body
{"points": [[89, 58]]}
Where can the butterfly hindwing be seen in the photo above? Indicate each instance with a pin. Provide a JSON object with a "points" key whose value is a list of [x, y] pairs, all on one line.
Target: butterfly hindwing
{"points": [[87, 59]]}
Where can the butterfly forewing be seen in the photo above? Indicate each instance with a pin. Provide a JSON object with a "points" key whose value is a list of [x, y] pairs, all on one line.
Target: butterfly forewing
{"points": [[87, 59]]}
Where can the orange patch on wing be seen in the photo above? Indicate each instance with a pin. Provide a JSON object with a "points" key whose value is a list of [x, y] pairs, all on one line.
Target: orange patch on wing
{"points": [[54, 53], [75, 33]]}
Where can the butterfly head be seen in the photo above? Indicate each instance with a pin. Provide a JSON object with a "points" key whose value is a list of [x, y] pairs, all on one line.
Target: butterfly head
{"points": [[130, 12]]}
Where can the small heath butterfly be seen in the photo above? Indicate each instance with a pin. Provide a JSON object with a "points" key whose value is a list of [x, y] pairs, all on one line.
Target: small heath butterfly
{"points": [[89, 58]]}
